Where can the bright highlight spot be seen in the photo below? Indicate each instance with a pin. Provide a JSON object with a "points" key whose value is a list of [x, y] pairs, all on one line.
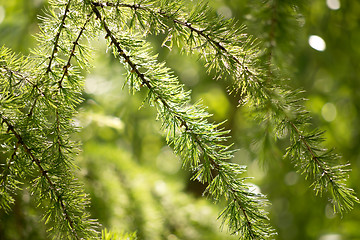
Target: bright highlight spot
{"points": [[328, 112], [329, 211], [333, 4], [97, 85], [291, 178], [2, 14], [330, 237], [104, 121], [317, 43], [160, 187], [225, 12], [254, 188]]}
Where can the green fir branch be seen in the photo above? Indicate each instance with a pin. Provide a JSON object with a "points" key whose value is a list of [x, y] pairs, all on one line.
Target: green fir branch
{"points": [[51, 180], [224, 47], [43, 124], [72, 52], [8, 182], [44, 173], [321, 165], [57, 37], [194, 138]]}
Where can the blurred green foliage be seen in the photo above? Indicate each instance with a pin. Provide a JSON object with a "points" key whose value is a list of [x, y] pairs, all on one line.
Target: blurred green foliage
{"points": [[135, 181]]}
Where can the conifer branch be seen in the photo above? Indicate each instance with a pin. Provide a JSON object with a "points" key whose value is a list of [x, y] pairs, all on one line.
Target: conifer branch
{"points": [[213, 159], [44, 173], [233, 192], [4, 174], [237, 56], [7, 183], [228, 33], [315, 161], [46, 139], [161, 13], [25, 79], [72, 52], [324, 170], [57, 36], [54, 189]]}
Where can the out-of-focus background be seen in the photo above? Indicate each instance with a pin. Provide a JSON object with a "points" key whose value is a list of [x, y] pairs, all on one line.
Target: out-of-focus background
{"points": [[135, 181]]}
